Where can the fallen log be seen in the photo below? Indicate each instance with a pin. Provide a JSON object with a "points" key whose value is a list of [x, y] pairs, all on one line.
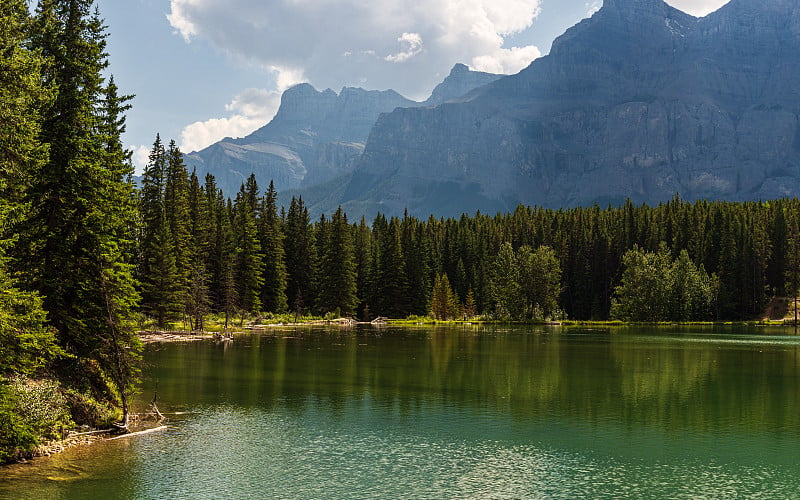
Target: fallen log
{"points": [[146, 431]]}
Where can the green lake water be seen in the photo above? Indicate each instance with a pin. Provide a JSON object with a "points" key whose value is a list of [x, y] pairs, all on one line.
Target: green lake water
{"points": [[467, 412]]}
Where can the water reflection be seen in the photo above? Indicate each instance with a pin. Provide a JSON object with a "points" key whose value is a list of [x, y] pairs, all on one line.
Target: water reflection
{"points": [[674, 382], [454, 412]]}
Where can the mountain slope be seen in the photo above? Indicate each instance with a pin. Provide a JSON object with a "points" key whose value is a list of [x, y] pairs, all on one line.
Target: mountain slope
{"points": [[315, 136], [639, 101]]}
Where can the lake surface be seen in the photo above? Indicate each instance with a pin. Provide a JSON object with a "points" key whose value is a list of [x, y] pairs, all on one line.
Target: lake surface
{"points": [[467, 412]]}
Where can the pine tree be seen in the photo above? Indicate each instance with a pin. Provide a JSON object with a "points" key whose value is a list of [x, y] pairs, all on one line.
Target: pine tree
{"points": [[79, 229], [273, 293], [26, 342], [163, 294], [177, 217], [417, 267], [249, 259], [444, 301], [300, 256], [391, 298], [198, 298], [362, 242], [226, 258], [337, 270], [792, 270]]}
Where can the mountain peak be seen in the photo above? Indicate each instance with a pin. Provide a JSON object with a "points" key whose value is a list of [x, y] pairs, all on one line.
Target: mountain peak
{"points": [[459, 68], [459, 82]]}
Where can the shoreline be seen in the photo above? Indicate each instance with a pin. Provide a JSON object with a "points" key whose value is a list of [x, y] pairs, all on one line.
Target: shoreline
{"points": [[56, 446], [171, 336]]}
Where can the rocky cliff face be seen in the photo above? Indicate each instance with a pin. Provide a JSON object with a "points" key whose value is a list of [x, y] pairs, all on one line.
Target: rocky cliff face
{"points": [[315, 136], [640, 101]]}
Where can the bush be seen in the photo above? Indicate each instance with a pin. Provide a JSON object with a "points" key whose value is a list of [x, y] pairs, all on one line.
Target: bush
{"points": [[30, 411]]}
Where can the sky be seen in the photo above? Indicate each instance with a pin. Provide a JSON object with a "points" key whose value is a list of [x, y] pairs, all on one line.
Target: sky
{"points": [[203, 70]]}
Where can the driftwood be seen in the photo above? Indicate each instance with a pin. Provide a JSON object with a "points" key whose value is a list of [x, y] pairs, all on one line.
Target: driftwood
{"points": [[146, 431]]}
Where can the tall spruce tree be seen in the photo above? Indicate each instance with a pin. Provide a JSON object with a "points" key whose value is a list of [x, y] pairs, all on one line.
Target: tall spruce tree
{"points": [[26, 341], [78, 230], [162, 290], [337, 268], [362, 242], [273, 293], [300, 257], [392, 280], [198, 298], [177, 217], [249, 259]]}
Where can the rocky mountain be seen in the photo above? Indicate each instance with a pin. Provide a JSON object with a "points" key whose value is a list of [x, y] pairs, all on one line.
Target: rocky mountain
{"points": [[640, 101], [460, 82], [315, 136]]}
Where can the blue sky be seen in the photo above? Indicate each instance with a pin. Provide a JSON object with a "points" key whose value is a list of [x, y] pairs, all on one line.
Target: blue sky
{"points": [[206, 69]]}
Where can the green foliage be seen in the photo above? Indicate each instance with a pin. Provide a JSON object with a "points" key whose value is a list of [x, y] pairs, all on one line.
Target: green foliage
{"points": [[30, 411], [525, 284], [505, 289], [390, 279], [655, 288], [337, 271], [301, 257], [539, 282], [249, 258], [26, 342], [273, 292], [444, 302]]}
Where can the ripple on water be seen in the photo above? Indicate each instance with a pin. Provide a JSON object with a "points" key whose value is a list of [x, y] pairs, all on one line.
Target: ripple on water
{"points": [[257, 454]]}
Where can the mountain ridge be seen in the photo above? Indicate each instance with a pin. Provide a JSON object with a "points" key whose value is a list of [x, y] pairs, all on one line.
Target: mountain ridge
{"points": [[315, 135], [640, 101]]}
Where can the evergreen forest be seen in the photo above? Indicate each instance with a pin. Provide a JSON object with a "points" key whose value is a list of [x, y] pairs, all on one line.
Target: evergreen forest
{"points": [[88, 256], [247, 257]]}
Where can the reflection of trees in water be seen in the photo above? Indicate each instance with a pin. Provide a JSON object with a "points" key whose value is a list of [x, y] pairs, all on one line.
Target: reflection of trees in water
{"points": [[665, 383], [671, 384]]}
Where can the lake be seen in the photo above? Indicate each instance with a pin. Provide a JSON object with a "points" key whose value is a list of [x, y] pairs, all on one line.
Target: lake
{"points": [[462, 412]]}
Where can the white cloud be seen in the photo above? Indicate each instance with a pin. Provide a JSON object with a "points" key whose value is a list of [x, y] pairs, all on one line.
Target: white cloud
{"points": [[592, 7], [506, 60], [250, 110], [334, 43], [184, 26], [697, 7], [287, 77], [141, 155], [413, 44]]}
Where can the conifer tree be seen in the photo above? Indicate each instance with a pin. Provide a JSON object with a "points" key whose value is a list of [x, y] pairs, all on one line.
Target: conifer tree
{"points": [[792, 270], [337, 270], [26, 341], [198, 298], [417, 266], [362, 242], [444, 302], [177, 217], [162, 289], [81, 213], [392, 280], [273, 293], [249, 259], [300, 257], [225, 256]]}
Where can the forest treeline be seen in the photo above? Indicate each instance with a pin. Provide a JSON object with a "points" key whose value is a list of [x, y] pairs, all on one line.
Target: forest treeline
{"points": [[678, 261]]}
